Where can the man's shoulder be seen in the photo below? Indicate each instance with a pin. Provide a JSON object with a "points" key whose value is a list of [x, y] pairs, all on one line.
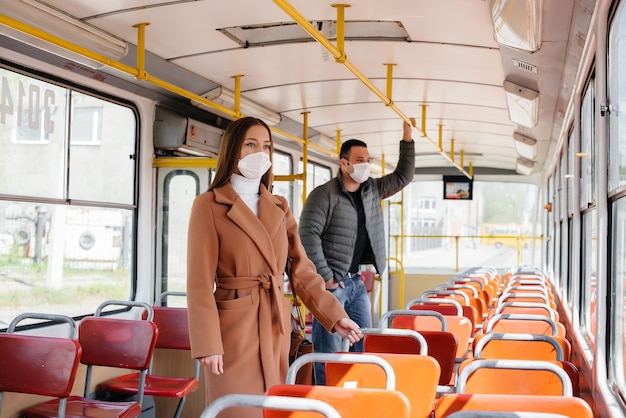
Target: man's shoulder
{"points": [[323, 194], [330, 186]]}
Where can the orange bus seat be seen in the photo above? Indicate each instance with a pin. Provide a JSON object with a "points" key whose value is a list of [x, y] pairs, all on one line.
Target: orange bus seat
{"points": [[40, 366], [521, 347], [349, 402], [571, 407], [461, 297], [173, 334], [417, 377], [459, 326], [527, 297], [523, 324], [445, 307], [472, 293], [353, 359], [523, 377], [271, 404], [526, 308], [492, 414]]}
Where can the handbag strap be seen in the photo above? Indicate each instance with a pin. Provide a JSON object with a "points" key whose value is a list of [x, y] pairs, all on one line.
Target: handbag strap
{"points": [[296, 302]]}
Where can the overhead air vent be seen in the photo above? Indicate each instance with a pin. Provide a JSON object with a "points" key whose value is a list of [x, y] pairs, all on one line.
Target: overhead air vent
{"points": [[290, 32], [525, 66], [175, 132]]}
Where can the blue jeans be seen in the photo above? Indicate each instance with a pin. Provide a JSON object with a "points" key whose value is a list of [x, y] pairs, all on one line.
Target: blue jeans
{"points": [[356, 302]]}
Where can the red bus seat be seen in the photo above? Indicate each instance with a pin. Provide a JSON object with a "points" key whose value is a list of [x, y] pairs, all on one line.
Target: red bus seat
{"points": [[442, 346], [173, 334], [40, 366], [108, 342]]}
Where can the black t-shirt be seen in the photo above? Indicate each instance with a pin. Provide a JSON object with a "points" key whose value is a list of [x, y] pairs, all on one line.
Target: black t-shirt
{"points": [[362, 248]]}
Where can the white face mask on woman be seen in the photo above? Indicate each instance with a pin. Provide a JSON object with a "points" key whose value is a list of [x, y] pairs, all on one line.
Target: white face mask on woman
{"points": [[254, 165], [361, 172]]}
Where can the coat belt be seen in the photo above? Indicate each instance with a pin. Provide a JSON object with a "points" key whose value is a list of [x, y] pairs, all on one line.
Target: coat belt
{"points": [[270, 299], [270, 302]]}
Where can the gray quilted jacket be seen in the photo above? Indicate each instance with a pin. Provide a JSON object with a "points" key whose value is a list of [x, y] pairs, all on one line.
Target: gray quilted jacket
{"points": [[328, 223]]}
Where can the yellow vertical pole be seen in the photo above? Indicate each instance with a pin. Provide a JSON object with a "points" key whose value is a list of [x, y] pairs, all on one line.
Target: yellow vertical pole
{"points": [[389, 82], [237, 100], [340, 30], [452, 149], [423, 119], [440, 138], [305, 152], [141, 50], [338, 142]]}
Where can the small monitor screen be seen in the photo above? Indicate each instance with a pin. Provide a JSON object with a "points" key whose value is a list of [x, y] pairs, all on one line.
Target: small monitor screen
{"points": [[457, 188]]}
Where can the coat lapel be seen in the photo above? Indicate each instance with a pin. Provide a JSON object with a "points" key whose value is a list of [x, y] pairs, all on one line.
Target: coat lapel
{"points": [[262, 229]]}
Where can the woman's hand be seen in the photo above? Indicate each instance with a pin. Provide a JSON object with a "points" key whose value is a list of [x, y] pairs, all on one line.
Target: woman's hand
{"points": [[215, 363], [348, 328]]}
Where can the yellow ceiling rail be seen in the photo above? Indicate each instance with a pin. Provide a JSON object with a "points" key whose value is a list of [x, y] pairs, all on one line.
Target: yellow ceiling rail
{"points": [[140, 72], [185, 162], [340, 57]]}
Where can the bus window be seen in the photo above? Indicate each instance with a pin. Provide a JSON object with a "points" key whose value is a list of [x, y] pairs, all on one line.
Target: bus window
{"points": [[282, 165], [67, 198], [589, 276], [316, 175], [618, 277], [496, 228]]}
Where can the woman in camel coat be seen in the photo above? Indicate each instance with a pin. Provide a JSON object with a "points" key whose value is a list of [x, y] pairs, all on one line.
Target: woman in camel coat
{"points": [[240, 236]]}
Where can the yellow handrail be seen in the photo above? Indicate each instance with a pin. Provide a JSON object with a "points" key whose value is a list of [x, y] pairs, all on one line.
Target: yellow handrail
{"points": [[340, 57]]}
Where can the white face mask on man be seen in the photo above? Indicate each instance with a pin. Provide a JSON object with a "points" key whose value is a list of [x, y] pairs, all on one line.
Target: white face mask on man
{"points": [[361, 172], [254, 165]]}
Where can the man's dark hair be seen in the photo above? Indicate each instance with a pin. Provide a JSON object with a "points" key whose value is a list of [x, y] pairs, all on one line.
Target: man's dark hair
{"points": [[347, 146]]}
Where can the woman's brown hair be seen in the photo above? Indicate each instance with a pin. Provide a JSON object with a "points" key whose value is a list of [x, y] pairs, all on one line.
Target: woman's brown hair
{"points": [[230, 149]]}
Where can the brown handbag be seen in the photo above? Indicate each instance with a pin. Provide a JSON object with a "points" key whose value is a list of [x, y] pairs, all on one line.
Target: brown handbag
{"points": [[300, 345]]}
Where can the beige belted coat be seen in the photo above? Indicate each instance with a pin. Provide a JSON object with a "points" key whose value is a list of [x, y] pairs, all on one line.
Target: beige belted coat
{"points": [[247, 317]]}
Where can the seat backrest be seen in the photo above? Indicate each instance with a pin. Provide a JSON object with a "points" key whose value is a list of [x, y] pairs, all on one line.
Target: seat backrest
{"points": [[271, 404], [173, 327], [120, 343], [354, 359], [523, 324], [446, 307], [442, 346], [349, 402], [518, 347], [460, 326], [505, 377], [38, 365], [571, 407], [368, 277], [416, 376], [50, 317], [492, 414], [526, 308]]}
